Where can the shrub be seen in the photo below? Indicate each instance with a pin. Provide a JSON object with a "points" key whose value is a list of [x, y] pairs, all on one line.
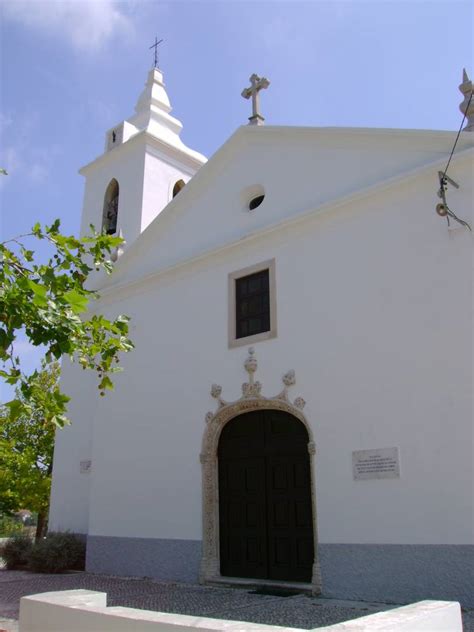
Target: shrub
{"points": [[57, 553], [16, 552], [9, 527]]}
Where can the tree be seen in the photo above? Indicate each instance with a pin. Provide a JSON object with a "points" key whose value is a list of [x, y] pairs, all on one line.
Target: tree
{"points": [[48, 303], [26, 450]]}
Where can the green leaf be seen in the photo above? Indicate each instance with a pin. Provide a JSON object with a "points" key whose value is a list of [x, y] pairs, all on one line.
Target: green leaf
{"points": [[77, 301], [5, 340], [15, 407], [36, 230], [40, 294], [54, 227], [43, 301], [106, 383]]}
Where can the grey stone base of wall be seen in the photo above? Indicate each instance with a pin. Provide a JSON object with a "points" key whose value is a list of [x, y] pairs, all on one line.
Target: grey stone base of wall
{"points": [[173, 560], [398, 573], [395, 573]]}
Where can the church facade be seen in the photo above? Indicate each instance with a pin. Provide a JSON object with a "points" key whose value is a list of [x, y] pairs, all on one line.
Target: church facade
{"points": [[298, 406]]}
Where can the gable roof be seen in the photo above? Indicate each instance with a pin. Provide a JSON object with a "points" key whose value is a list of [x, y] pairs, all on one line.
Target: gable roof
{"points": [[301, 170]]}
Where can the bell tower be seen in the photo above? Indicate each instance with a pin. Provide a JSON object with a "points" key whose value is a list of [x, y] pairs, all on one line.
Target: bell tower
{"points": [[144, 165]]}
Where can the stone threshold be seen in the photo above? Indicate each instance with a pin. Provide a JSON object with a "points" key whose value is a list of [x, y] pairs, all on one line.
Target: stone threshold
{"points": [[243, 582]]}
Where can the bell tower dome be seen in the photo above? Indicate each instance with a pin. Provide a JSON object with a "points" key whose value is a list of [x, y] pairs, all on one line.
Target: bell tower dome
{"points": [[144, 165]]}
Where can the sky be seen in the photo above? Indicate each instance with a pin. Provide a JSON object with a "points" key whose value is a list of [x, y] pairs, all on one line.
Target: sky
{"points": [[72, 69]]}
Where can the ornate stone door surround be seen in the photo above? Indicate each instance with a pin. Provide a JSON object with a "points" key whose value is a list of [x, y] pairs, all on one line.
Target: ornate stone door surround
{"points": [[251, 399]]}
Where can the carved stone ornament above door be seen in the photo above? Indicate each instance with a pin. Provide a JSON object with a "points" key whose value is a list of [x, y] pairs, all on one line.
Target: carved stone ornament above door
{"points": [[252, 389]]}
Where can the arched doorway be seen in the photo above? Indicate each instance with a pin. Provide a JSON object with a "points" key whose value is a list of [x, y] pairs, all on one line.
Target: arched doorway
{"points": [[265, 503]]}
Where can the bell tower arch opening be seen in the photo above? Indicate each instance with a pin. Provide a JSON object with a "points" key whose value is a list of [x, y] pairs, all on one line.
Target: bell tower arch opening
{"points": [[178, 186], [111, 206]]}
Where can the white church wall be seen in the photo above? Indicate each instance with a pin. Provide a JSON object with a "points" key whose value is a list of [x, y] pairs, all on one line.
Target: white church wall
{"points": [[69, 509], [365, 300], [161, 174], [374, 315], [146, 178], [126, 165], [213, 210]]}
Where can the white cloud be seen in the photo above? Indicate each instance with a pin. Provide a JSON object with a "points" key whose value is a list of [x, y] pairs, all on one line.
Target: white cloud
{"points": [[87, 24], [20, 158], [33, 166]]}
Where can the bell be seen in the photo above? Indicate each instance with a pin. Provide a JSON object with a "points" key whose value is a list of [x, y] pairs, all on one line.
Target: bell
{"points": [[442, 209]]}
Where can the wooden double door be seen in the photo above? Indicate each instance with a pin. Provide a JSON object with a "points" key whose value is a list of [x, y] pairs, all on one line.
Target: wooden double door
{"points": [[265, 508]]}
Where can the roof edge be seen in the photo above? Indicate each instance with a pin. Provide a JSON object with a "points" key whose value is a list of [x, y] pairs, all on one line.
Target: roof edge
{"points": [[303, 216], [188, 156]]}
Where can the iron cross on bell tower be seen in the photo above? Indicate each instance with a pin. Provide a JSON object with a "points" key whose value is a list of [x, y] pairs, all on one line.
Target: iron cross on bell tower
{"points": [[257, 84], [155, 46]]}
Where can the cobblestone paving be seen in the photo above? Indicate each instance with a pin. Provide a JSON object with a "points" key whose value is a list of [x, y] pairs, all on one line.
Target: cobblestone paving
{"points": [[240, 604]]}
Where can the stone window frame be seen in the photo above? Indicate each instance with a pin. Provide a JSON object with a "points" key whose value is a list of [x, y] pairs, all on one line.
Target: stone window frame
{"points": [[233, 341]]}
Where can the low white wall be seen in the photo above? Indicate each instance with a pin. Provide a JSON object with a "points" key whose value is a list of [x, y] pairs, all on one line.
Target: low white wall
{"points": [[424, 616], [86, 611]]}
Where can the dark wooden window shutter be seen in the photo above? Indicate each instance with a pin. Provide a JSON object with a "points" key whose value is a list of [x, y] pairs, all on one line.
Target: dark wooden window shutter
{"points": [[252, 304]]}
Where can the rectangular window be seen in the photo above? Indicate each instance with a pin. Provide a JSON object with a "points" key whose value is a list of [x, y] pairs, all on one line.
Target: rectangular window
{"points": [[252, 304]]}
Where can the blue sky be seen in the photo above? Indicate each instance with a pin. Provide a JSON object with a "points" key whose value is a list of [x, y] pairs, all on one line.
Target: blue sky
{"points": [[72, 69]]}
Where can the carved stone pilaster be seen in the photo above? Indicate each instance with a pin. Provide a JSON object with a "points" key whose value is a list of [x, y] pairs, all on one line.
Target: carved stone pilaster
{"points": [[316, 572], [209, 569], [210, 558], [316, 580]]}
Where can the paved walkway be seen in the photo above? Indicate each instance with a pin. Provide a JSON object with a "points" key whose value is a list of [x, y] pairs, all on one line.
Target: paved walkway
{"points": [[240, 604]]}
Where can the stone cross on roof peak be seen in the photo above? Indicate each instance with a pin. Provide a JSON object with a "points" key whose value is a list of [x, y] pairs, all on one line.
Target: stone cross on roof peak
{"points": [[257, 84], [467, 106]]}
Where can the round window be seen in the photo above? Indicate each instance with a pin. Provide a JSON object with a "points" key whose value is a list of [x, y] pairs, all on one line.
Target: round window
{"points": [[256, 201], [252, 196]]}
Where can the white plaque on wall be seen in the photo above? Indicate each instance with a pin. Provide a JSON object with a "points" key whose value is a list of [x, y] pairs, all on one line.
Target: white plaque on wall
{"points": [[85, 466], [379, 463]]}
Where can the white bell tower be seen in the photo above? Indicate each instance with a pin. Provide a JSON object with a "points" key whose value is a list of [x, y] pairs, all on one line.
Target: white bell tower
{"points": [[143, 166]]}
